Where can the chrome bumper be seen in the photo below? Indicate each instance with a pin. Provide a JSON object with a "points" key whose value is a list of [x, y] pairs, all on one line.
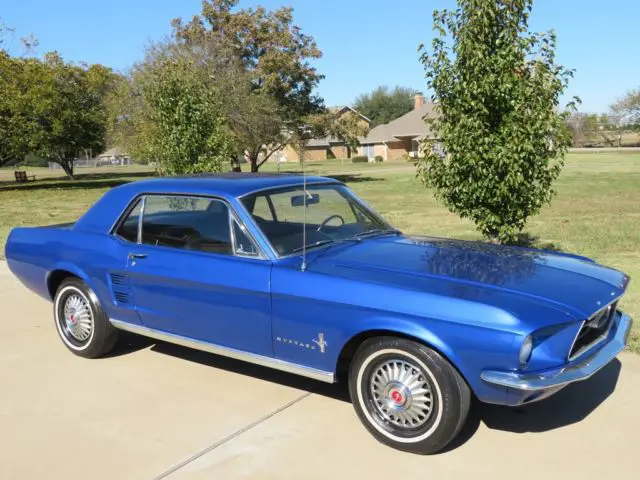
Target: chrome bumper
{"points": [[562, 376]]}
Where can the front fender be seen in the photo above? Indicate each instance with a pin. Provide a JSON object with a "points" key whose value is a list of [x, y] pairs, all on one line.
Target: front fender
{"points": [[468, 348], [403, 327]]}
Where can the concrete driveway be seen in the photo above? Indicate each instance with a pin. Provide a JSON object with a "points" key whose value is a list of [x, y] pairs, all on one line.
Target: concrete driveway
{"points": [[157, 411]]}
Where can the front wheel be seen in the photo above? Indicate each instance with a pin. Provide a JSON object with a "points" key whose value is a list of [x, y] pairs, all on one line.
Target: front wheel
{"points": [[407, 395]]}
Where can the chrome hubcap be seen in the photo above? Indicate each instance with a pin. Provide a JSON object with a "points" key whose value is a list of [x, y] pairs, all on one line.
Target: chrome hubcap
{"points": [[401, 394], [78, 318]]}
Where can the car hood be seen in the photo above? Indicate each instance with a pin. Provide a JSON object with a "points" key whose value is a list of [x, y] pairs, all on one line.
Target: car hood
{"points": [[570, 283]]}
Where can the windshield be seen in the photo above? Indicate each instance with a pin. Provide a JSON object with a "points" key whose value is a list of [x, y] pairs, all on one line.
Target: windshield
{"points": [[333, 214]]}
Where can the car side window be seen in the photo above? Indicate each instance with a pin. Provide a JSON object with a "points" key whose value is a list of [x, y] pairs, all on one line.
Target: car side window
{"points": [[243, 244], [128, 229], [187, 223]]}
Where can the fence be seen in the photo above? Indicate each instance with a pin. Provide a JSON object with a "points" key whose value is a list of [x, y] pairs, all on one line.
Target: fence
{"points": [[96, 162]]}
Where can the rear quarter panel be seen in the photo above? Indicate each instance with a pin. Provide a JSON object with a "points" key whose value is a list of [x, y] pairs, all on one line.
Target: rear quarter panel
{"points": [[34, 254]]}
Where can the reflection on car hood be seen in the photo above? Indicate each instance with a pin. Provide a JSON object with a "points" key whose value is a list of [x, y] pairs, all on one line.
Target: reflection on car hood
{"points": [[570, 283]]}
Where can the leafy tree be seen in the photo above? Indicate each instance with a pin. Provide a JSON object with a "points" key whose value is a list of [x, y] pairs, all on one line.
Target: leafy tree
{"points": [[64, 105], [311, 126], [501, 140], [628, 107], [625, 114], [383, 105], [275, 55], [348, 127], [13, 144], [177, 120], [13, 124]]}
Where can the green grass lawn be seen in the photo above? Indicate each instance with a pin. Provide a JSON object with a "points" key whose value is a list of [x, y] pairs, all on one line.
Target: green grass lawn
{"points": [[596, 212]]}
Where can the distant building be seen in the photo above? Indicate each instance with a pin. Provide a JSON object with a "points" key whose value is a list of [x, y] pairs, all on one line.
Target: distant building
{"points": [[114, 156], [391, 141], [401, 136], [322, 148]]}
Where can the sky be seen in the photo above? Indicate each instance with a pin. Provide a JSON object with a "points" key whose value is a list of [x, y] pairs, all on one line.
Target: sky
{"points": [[365, 43]]}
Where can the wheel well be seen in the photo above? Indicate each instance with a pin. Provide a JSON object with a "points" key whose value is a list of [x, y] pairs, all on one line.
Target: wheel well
{"points": [[350, 348], [55, 279]]}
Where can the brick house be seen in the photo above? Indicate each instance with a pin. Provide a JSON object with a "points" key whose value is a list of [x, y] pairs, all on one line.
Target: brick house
{"points": [[322, 148], [400, 137]]}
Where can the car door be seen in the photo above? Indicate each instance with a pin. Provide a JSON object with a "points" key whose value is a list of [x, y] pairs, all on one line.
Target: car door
{"points": [[196, 272]]}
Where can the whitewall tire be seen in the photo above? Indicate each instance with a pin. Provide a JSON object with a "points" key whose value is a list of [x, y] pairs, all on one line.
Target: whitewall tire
{"points": [[407, 395], [80, 321]]}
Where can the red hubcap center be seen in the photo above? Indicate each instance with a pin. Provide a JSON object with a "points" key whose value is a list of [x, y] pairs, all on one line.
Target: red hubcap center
{"points": [[397, 397], [72, 318]]}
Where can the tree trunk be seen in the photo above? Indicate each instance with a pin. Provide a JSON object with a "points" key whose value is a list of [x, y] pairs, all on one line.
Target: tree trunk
{"points": [[67, 166], [253, 161], [235, 164]]}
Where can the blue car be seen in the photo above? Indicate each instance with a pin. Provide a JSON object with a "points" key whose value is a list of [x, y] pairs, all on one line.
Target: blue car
{"points": [[299, 274]]}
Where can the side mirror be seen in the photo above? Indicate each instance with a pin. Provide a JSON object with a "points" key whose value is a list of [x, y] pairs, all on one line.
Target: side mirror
{"points": [[299, 200]]}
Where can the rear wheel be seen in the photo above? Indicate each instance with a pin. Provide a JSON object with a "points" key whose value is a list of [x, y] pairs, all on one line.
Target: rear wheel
{"points": [[407, 395], [81, 323]]}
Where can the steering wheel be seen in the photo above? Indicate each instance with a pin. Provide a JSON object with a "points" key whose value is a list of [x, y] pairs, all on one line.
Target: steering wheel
{"points": [[328, 219]]}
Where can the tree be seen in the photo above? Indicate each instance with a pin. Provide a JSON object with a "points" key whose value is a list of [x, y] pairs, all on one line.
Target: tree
{"points": [[501, 141], [347, 127], [311, 126], [383, 105], [13, 123], [626, 114], [176, 116], [64, 105], [275, 55], [13, 145], [628, 107]]}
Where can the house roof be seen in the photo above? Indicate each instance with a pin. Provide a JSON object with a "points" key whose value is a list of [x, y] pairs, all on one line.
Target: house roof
{"points": [[318, 142], [347, 108], [410, 125]]}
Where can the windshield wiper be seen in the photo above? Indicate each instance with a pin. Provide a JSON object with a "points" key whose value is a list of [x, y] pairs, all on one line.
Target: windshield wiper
{"points": [[319, 243], [312, 245], [376, 231]]}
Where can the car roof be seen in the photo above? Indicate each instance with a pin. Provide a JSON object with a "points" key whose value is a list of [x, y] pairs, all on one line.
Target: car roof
{"points": [[234, 184], [102, 215]]}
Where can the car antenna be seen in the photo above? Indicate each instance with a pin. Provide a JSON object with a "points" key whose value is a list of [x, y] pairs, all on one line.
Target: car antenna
{"points": [[304, 130]]}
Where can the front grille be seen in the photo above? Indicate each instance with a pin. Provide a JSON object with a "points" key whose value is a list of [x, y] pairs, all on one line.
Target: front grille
{"points": [[593, 330]]}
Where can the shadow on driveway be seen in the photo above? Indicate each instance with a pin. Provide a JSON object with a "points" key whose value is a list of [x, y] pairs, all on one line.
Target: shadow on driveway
{"points": [[571, 405]]}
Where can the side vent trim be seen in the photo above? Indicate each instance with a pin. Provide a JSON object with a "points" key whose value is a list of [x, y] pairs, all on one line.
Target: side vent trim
{"points": [[120, 288]]}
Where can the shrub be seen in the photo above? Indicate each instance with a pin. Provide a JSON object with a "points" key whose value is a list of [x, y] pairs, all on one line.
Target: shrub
{"points": [[407, 158], [378, 158], [359, 159]]}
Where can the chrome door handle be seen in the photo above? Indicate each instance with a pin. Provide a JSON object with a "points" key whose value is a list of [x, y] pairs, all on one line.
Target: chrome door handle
{"points": [[133, 256]]}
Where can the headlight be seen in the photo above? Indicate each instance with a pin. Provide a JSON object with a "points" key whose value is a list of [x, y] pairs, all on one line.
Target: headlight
{"points": [[525, 351]]}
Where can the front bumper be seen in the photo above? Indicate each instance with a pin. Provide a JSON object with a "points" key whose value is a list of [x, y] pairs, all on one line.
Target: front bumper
{"points": [[550, 381]]}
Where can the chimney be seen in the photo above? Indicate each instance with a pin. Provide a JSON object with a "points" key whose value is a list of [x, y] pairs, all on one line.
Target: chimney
{"points": [[418, 101]]}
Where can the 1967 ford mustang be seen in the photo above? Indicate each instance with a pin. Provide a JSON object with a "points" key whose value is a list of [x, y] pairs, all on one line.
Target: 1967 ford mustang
{"points": [[303, 276]]}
